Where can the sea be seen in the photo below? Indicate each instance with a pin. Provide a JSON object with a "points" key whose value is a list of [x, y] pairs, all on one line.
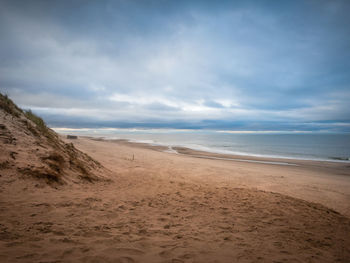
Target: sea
{"points": [[305, 146]]}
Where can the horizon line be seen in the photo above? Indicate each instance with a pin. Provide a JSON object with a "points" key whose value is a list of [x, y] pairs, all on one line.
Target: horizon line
{"points": [[62, 129]]}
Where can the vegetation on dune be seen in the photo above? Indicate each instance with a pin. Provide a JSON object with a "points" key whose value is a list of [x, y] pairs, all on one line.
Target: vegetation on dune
{"points": [[9, 106], [39, 128], [36, 119]]}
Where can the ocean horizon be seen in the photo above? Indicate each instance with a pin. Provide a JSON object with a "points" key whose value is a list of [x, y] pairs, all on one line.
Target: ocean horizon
{"points": [[334, 147]]}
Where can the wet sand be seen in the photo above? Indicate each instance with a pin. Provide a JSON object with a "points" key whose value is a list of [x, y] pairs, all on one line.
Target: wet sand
{"points": [[187, 207]]}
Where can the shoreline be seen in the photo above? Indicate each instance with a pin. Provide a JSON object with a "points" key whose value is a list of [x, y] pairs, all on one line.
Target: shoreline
{"points": [[185, 151], [210, 152]]}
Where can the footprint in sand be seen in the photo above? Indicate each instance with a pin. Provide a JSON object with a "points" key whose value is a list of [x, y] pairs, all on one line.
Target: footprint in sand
{"points": [[108, 259], [166, 253], [120, 250], [124, 260]]}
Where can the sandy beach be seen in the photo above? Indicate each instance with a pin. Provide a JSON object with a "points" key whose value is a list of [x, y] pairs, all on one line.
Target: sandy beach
{"points": [[174, 131], [186, 207]]}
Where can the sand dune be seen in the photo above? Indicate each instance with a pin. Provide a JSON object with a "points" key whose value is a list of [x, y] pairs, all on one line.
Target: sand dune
{"points": [[29, 149]]}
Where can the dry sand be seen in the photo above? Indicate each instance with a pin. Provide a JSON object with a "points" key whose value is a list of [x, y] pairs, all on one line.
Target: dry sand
{"points": [[164, 207]]}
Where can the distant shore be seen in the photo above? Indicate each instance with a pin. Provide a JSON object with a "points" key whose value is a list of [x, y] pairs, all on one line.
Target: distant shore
{"points": [[304, 147], [341, 167]]}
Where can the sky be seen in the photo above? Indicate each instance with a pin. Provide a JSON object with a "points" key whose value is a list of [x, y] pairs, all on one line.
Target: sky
{"points": [[228, 65]]}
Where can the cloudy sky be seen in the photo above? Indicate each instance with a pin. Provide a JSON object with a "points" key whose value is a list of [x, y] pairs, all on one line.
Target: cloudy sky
{"points": [[237, 65]]}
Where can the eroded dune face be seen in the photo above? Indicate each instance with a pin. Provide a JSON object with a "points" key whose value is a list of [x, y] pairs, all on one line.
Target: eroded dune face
{"points": [[30, 150]]}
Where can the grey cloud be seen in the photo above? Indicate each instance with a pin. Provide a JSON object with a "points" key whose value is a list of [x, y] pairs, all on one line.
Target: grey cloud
{"points": [[213, 104], [234, 61], [161, 107]]}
